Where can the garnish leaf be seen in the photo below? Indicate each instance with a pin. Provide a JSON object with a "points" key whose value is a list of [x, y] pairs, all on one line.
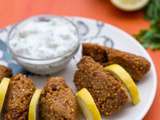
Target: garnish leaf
{"points": [[150, 38]]}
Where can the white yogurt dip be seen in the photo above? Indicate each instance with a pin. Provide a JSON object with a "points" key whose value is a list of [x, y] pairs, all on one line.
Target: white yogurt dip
{"points": [[44, 44], [44, 38]]}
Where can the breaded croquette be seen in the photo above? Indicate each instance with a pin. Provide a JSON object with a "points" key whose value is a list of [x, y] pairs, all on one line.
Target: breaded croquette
{"points": [[108, 92], [57, 101], [5, 71], [137, 66], [21, 89]]}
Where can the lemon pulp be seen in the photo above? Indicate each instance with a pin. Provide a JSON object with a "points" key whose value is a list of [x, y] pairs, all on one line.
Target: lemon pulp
{"points": [[129, 5]]}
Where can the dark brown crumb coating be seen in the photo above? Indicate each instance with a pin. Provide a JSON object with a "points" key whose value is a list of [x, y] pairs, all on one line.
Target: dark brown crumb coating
{"points": [[137, 66], [57, 101], [5, 71], [20, 92], [109, 93]]}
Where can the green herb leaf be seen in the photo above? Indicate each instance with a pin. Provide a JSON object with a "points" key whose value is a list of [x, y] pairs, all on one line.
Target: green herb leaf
{"points": [[153, 10], [151, 38]]}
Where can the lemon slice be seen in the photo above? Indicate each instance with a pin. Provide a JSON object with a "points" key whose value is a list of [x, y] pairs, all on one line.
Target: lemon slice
{"points": [[3, 91], [88, 105], [123, 75], [129, 5], [32, 115]]}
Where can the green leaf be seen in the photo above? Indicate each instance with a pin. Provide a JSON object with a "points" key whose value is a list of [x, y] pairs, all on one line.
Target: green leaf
{"points": [[150, 38], [155, 46]]}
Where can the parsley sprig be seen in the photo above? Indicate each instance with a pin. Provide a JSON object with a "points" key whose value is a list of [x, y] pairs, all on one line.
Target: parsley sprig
{"points": [[150, 38]]}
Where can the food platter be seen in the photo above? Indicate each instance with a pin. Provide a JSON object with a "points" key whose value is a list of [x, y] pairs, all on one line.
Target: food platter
{"points": [[105, 34]]}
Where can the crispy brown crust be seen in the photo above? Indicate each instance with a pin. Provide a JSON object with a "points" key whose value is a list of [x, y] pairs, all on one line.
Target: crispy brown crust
{"points": [[57, 101], [109, 93], [5, 71], [137, 66], [97, 52], [20, 91]]}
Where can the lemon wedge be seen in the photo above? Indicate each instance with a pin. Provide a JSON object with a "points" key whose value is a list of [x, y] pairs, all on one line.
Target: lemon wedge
{"points": [[32, 115], [88, 105], [129, 5], [123, 75], [3, 91]]}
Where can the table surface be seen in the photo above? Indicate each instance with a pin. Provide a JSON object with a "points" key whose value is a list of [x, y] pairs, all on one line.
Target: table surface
{"points": [[12, 11]]}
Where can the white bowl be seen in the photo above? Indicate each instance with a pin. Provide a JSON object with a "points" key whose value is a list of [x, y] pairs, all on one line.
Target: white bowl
{"points": [[43, 66]]}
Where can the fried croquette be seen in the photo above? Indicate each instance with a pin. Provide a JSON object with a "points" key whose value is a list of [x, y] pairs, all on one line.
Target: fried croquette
{"points": [[5, 71], [21, 89], [137, 66], [57, 101], [108, 92]]}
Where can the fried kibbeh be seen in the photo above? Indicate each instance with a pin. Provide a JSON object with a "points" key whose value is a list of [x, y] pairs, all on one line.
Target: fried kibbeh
{"points": [[136, 65], [21, 89], [5, 72], [109, 93], [57, 101]]}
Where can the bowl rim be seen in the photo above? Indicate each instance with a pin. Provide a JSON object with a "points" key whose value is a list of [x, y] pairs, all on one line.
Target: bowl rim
{"points": [[58, 58]]}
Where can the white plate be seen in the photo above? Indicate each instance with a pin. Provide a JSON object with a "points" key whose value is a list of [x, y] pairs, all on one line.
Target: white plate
{"points": [[95, 31]]}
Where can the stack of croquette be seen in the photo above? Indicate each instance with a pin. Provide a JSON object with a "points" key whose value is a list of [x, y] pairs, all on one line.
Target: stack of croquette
{"points": [[109, 92], [58, 102]]}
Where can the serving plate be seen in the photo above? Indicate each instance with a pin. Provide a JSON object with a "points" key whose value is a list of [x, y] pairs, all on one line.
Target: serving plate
{"points": [[108, 35]]}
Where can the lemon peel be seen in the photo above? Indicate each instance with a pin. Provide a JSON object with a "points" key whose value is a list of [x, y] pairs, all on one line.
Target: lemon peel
{"points": [[88, 105], [3, 91], [32, 115], [123, 75]]}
